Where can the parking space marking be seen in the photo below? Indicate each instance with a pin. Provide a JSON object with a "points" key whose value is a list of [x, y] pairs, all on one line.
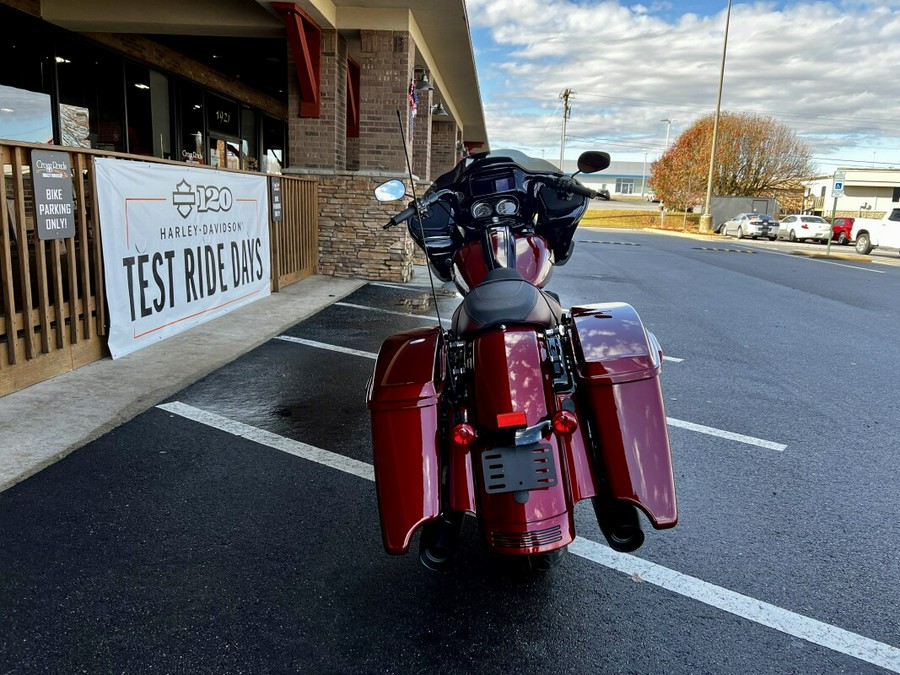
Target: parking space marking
{"points": [[817, 632], [763, 613], [828, 262], [723, 250], [323, 345], [424, 317], [267, 438], [731, 436]]}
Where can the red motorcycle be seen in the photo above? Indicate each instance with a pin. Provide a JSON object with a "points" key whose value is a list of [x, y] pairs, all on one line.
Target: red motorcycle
{"points": [[521, 409]]}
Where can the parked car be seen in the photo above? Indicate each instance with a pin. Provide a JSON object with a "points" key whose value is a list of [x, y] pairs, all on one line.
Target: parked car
{"points": [[751, 225], [881, 233], [842, 230], [602, 194], [803, 228]]}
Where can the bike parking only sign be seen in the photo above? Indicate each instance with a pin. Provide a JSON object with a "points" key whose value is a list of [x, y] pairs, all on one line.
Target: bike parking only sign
{"points": [[54, 206]]}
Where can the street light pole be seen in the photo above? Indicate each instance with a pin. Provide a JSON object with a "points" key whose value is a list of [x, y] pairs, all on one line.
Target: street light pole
{"points": [[668, 127], [644, 176], [706, 218]]}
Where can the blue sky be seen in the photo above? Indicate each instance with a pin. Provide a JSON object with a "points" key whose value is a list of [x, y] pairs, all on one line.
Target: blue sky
{"points": [[826, 69]]}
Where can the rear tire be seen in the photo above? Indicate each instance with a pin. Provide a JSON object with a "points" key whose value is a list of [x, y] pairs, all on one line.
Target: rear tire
{"points": [[863, 245], [740, 233], [544, 562], [842, 239]]}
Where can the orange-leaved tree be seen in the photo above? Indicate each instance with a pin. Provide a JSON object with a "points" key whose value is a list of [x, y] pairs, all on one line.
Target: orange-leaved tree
{"points": [[756, 156]]}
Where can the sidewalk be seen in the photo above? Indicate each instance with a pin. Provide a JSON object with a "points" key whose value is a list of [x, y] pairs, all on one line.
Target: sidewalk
{"points": [[43, 423]]}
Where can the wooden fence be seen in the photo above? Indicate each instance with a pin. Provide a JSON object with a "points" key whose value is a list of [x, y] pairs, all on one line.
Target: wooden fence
{"points": [[52, 297]]}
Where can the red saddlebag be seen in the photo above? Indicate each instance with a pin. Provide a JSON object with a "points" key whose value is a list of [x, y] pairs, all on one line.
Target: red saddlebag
{"points": [[618, 364], [403, 399]]}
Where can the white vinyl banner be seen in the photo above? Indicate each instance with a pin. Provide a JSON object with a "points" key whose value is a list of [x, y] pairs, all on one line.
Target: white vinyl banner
{"points": [[181, 245]]}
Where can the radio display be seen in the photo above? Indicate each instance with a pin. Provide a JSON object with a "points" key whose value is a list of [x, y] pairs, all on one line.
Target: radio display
{"points": [[491, 184]]}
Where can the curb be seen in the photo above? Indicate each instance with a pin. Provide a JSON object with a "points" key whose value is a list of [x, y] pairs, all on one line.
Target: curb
{"points": [[836, 256]]}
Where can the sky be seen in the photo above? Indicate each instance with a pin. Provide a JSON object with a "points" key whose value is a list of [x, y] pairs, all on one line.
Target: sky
{"points": [[827, 69]]}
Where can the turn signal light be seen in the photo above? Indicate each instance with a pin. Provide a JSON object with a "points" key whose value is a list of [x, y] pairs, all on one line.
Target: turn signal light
{"points": [[565, 422], [463, 434]]}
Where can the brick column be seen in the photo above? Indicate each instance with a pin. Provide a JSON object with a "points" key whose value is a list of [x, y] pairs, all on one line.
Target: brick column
{"points": [[421, 157], [321, 142], [444, 155], [386, 69]]}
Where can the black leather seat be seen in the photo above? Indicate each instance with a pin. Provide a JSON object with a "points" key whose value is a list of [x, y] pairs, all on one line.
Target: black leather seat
{"points": [[504, 297]]}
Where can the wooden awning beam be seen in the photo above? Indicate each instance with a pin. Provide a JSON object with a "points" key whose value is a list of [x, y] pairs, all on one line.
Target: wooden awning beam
{"points": [[305, 39]]}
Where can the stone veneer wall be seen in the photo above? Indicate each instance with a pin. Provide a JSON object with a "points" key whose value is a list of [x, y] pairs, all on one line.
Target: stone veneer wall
{"points": [[352, 242]]}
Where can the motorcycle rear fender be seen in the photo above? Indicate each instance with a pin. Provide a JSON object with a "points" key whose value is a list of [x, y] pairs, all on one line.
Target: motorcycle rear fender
{"points": [[403, 397], [617, 368]]}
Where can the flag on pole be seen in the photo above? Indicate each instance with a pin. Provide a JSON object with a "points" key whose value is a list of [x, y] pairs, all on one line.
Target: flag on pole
{"points": [[413, 98]]}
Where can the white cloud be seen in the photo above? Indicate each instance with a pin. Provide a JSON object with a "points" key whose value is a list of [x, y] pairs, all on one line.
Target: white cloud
{"points": [[825, 69]]}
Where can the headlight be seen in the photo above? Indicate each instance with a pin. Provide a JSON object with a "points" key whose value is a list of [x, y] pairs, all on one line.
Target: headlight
{"points": [[507, 207], [481, 210]]}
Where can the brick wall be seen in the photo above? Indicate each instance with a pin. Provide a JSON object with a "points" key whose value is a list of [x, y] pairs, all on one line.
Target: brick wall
{"points": [[321, 142], [443, 147], [351, 239], [386, 69], [162, 57]]}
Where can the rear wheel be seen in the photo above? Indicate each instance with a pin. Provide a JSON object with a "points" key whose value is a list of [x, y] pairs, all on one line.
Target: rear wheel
{"points": [[773, 238], [842, 239], [544, 562], [863, 245], [740, 234]]}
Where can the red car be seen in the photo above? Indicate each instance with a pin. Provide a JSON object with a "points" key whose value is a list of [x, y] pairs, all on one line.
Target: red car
{"points": [[841, 229]]}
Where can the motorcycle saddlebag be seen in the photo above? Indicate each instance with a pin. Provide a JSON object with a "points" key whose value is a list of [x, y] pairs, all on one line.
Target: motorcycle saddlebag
{"points": [[618, 364], [403, 397]]}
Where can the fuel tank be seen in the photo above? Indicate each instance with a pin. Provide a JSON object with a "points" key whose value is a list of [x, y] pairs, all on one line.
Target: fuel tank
{"points": [[533, 261]]}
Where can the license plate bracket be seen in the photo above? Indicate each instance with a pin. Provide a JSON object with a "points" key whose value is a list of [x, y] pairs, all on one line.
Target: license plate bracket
{"points": [[525, 467]]}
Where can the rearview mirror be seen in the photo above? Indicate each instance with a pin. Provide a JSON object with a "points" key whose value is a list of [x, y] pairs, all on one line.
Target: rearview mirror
{"points": [[390, 191], [593, 161]]}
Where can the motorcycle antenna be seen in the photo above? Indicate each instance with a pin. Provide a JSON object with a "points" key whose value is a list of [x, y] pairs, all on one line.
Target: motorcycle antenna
{"points": [[419, 217]]}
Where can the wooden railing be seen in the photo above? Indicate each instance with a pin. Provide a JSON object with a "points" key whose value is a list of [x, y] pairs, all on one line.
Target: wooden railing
{"points": [[52, 295]]}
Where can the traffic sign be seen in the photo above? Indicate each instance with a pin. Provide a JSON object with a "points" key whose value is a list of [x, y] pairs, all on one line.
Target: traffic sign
{"points": [[837, 187]]}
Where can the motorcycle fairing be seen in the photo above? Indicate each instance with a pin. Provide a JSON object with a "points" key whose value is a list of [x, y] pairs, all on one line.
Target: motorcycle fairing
{"points": [[617, 368], [403, 397]]}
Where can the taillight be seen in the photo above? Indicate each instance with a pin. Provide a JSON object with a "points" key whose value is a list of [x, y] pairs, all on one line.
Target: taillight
{"points": [[513, 419], [565, 422], [463, 434]]}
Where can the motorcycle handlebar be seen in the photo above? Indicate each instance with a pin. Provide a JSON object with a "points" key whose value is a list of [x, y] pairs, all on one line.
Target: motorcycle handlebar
{"points": [[424, 203], [401, 217], [569, 185]]}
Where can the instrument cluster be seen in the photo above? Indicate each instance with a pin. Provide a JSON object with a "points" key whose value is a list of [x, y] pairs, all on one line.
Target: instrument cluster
{"points": [[505, 207]]}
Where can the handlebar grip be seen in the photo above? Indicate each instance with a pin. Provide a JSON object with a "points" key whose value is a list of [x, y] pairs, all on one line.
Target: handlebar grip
{"points": [[577, 189], [401, 217]]}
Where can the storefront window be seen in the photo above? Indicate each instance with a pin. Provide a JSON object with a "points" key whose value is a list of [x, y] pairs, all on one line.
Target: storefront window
{"points": [[147, 100], [91, 97], [25, 80], [249, 136], [191, 118], [273, 145]]}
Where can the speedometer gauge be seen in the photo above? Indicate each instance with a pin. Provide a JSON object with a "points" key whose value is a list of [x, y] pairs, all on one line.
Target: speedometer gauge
{"points": [[481, 210], [507, 207]]}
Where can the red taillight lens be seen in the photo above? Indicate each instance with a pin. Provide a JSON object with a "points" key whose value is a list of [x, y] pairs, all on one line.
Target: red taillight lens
{"points": [[565, 422], [513, 419], [463, 434]]}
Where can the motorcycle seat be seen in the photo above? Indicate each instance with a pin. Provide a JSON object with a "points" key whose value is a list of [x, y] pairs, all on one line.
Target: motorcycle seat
{"points": [[504, 297]]}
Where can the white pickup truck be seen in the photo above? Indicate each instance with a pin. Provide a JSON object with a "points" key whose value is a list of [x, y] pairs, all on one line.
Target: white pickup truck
{"points": [[881, 233]]}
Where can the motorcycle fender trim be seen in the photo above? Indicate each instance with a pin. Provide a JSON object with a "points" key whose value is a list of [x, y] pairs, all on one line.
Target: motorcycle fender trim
{"points": [[403, 402], [618, 366], [536, 536]]}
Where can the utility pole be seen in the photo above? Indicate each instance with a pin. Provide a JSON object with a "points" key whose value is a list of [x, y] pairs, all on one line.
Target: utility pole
{"points": [[566, 93]]}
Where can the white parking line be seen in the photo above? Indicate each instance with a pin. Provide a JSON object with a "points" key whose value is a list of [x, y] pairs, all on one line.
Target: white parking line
{"points": [[763, 613], [424, 317], [711, 431], [827, 262], [322, 345]]}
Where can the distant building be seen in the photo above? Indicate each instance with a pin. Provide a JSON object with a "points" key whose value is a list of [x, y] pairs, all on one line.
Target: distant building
{"points": [[621, 178], [866, 192]]}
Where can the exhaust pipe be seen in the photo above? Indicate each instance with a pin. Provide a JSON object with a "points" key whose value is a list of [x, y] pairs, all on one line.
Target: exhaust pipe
{"points": [[439, 541], [619, 523]]}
